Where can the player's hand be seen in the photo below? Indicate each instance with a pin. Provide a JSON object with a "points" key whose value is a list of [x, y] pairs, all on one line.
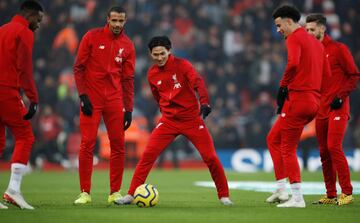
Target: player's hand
{"points": [[281, 97], [127, 120], [336, 103], [205, 110], [31, 112], [85, 104]]}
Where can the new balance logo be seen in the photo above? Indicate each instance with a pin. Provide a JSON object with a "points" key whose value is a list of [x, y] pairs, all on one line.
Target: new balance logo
{"points": [[337, 118], [283, 114], [158, 83], [101, 47], [201, 126]]}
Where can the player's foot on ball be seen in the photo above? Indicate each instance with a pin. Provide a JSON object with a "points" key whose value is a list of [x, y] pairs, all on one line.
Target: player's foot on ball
{"points": [[3, 206], [293, 203], [345, 199], [326, 200], [113, 197], [226, 201], [127, 199], [15, 198], [278, 196], [83, 198]]}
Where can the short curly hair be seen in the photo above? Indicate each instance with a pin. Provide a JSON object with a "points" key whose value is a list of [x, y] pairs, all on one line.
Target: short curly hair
{"points": [[287, 11]]}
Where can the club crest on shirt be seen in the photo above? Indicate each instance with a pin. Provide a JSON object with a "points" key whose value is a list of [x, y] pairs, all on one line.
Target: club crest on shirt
{"points": [[118, 58], [176, 82]]}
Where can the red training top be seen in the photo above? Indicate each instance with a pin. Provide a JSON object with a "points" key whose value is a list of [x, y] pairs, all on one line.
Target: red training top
{"points": [[174, 87], [343, 80], [105, 58], [306, 65], [16, 69]]}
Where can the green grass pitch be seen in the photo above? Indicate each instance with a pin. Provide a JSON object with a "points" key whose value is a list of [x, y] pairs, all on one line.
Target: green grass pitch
{"points": [[52, 194]]}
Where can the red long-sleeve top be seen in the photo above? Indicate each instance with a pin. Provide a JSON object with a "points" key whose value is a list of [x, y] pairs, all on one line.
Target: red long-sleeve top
{"points": [[343, 80], [174, 87], [306, 64], [105, 58], [16, 45]]}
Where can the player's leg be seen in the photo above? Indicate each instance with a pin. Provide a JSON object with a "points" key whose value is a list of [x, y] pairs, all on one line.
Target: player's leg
{"points": [[24, 139], [274, 142], [88, 129], [114, 121], [2, 138], [337, 129], [160, 138], [329, 172], [299, 114], [199, 135]]}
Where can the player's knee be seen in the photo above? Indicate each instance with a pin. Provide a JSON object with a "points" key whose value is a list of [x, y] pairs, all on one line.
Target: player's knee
{"points": [[210, 158]]}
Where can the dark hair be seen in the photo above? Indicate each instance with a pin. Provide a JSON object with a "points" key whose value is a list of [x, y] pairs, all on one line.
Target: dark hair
{"points": [[159, 41], [318, 18], [117, 9], [31, 5], [287, 11]]}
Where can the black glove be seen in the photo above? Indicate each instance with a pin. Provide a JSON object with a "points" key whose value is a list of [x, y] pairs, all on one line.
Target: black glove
{"points": [[31, 112], [281, 97], [336, 103], [127, 120], [85, 104], [205, 110]]}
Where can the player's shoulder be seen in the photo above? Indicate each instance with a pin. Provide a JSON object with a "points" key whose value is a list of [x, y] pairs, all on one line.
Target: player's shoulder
{"points": [[94, 31], [341, 46], [152, 71], [182, 62]]}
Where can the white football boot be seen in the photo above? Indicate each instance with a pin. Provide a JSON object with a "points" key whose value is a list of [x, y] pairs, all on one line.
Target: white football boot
{"points": [[127, 199], [297, 202], [226, 201], [17, 199], [278, 196]]}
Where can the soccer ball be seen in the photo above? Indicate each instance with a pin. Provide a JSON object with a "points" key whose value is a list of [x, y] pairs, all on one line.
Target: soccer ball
{"points": [[146, 195]]}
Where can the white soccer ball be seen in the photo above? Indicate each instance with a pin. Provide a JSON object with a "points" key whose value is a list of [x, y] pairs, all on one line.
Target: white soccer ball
{"points": [[146, 195]]}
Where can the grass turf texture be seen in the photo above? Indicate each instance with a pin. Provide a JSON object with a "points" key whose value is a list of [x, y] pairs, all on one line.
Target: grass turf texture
{"points": [[52, 194]]}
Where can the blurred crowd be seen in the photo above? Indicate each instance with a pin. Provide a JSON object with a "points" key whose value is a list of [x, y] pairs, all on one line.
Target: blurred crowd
{"points": [[232, 43]]}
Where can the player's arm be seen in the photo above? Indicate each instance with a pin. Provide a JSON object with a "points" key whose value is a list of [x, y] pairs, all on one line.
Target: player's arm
{"points": [[154, 91], [127, 80], [293, 61], [196, 82], [348, 65], [80, 63], [24, 65]]}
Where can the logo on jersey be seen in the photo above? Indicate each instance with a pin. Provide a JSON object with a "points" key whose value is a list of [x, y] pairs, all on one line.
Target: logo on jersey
{"points": [[201, 126], [118, 58], [159, 83], [158, 125], [176, 82], [337, 118], [101, 47], [283, 114]]}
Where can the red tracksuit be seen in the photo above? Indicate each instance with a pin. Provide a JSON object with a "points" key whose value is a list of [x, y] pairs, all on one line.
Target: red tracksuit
{"points": [[331, 124], [104, 70], [16, 44], [306, 66], [174, 87]]}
